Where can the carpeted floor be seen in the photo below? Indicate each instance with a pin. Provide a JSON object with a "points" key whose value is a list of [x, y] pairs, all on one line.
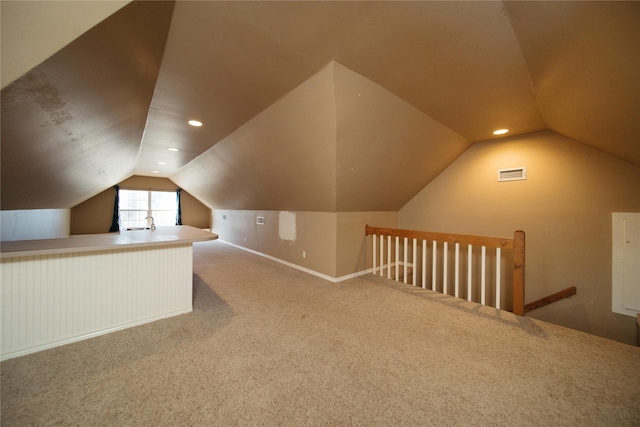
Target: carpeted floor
{"points": [[270, 345]]}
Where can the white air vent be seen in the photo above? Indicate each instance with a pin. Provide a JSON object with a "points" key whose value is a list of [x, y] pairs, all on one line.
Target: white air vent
{"points": [[513, 174], [260, 220]]}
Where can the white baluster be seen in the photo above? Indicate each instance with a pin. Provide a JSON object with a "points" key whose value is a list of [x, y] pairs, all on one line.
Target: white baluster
{"points": [[389, 258], [445, 270], [457, 270], [433, 265], [375, 249], [424, 264], [469, 275], [483, 287], [397, 257], [415, 261], [382, 255], [405, 258], [498, 255]]}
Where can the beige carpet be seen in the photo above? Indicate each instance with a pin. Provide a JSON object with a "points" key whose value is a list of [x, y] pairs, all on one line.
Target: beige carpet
{"points": [[270, 345]]}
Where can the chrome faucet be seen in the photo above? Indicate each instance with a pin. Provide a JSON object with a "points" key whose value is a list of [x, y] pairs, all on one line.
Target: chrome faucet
{"points": [[153, 224]]}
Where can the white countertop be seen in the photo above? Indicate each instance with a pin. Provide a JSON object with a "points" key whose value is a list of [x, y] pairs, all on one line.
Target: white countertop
{"points": [[107, 241]]}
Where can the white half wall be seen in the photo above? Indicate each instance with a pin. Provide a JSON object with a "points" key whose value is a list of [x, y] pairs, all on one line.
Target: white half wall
{"points": [[56, 299]]}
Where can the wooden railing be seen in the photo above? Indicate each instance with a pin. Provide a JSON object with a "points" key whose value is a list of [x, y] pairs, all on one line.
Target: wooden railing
{"points": [[440, 267], [565, 293]]}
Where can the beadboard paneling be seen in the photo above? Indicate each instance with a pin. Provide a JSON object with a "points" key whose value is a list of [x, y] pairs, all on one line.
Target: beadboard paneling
{"points": [[50, 300]]}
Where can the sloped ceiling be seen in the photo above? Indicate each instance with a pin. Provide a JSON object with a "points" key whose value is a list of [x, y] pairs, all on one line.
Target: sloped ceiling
{"points": [[73, 125], [584, 62], [32, 31], [337, 143], [470, 67]]}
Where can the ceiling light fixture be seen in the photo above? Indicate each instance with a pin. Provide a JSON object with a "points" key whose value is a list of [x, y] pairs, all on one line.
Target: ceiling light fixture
{"points": [[500, 131], [195, 123], [161, 163], [172, 149], [155, 171]]}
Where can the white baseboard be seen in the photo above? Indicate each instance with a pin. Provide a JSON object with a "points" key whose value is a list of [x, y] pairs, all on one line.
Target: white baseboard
{"points": [[298, 267]]}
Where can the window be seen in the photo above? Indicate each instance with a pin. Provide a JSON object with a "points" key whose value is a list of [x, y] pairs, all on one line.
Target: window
{"points": [[136, 205]]}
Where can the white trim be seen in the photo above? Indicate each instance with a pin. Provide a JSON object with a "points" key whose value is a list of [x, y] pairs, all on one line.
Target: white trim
{"points": [[298, 267], [352, 275]]}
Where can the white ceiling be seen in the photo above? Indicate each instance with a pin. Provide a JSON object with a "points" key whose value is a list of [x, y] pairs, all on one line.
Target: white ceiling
{"points": [[110, 103]]}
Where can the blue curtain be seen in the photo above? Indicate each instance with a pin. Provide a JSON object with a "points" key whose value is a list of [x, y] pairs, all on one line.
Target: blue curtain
{"points": [[179, 211], [115, 221]]}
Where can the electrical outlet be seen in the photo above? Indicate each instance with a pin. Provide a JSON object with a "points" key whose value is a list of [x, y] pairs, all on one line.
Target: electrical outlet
{"points": [[304, 254]]}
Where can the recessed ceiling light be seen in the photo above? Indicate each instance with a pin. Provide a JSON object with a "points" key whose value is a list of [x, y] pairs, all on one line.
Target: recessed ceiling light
{"points": [[155, 171], [161, 163], [173, 149], [195, 123], [500, 131]]}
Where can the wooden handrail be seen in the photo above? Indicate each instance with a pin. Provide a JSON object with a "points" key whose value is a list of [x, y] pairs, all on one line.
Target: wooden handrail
{"points": [[566, 293], [466, 239]]}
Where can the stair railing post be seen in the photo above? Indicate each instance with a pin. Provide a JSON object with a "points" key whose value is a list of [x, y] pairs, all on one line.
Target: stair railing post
{"points": [[518, 272]]}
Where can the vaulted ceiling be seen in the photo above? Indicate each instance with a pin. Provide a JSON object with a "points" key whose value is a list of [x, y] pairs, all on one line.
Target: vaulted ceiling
{"points": [[305, 103]]}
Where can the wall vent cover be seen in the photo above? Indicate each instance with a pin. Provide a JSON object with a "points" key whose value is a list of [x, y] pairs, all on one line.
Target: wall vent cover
{"points": [[512, 174], [260, 220]]}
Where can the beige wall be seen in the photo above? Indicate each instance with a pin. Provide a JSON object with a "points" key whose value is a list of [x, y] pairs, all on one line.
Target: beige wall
{"points": [[315, 234], [94, 215], [334, 244], [354, 251], [565, 208], [386, 149]]}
